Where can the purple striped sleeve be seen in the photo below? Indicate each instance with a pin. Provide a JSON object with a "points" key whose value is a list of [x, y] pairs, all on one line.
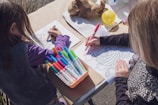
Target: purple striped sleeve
{"points": [[62, 40], [37, 55]]}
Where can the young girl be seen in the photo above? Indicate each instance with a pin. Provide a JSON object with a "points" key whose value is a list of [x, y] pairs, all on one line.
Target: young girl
{"points": [[20, 76], [140, 86]]}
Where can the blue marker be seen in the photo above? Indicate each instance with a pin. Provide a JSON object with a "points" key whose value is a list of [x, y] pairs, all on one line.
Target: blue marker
{"points": [[70, 69], [53, 58], [64, 61], [69, 63], [49, 59]]}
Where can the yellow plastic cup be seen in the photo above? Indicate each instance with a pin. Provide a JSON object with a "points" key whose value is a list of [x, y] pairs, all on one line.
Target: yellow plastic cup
{"points": [[108, 17]]}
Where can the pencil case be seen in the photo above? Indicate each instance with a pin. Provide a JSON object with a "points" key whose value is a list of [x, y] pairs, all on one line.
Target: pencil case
{"points": [[67, 67]]}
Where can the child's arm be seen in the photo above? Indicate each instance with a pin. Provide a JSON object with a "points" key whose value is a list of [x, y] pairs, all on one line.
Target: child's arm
{"points": [[37, 55], [60, 40], [116, 40]]}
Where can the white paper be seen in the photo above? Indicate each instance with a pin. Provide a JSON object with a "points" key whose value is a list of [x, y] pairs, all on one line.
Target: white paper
{"points": [[85, 27], [103, 59], [42, 34], [121, 9]]}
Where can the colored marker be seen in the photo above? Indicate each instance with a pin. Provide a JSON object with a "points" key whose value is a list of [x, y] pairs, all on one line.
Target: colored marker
{"points": [[93, 35], [59, 48], [62, 72], [77, 66], [53, 58], [58, 57], [58, 73], [55, 51], [69, 69], [65, 54], [65, 71], [49, 59], [77, 62], [69, 53], [74, 60], [70, 65], [68, 62], [61, 63]]}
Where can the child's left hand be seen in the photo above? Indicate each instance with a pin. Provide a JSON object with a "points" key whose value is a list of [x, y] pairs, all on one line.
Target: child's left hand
{"points": [[121, 69]]}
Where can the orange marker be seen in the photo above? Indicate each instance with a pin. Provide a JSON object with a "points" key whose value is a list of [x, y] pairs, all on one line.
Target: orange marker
{"points": [[55, 51]]}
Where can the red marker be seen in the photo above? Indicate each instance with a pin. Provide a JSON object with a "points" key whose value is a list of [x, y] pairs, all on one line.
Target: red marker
{"points": [[56, 66], [59, 66], [93, 35]]}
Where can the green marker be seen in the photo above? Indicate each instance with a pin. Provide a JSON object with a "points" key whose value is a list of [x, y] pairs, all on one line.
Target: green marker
{"points": [[77, 62], [65, 54]]}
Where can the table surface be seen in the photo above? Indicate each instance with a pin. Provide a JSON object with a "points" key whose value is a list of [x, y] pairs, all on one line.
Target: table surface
{"points": [[94, 82]]}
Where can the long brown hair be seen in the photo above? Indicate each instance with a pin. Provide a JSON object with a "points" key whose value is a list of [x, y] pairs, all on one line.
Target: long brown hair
{"points": [[143, 30], [13, 13]]}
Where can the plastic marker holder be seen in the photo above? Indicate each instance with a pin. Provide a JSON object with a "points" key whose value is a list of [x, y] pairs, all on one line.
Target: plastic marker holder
{"points": [[58, 74], [75, 61], [64, 72], [67, 61], [78, 61], [67, 67]]}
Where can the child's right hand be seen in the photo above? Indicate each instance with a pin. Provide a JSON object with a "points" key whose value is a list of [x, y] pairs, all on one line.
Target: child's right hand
{"points": [[54, 32], [95, 41]]}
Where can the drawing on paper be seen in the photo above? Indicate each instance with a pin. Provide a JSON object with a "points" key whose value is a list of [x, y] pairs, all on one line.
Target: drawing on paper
{"points": [[103, 59], [42, 35]]}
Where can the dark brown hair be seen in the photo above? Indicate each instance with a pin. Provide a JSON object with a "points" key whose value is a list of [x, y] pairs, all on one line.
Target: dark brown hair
{"points": [[13, 13]]}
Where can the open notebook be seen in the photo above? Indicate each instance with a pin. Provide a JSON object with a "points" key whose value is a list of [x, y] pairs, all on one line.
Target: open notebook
{"points": [[42, 35]]}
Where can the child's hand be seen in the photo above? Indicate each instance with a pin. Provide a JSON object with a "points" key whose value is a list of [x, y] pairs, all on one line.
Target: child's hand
{"points": [[95, 41], [121, 69], [54, 32]]}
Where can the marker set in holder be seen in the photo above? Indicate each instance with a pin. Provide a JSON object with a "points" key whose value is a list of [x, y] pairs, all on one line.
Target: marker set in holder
{"points": [[67, 66]]}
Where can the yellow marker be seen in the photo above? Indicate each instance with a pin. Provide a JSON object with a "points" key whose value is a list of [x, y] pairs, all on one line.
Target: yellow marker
{"points": [[108, 17]]}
